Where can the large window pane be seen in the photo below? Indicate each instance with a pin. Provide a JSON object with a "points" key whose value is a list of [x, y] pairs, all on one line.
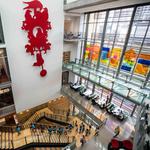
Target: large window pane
{"points": [[137, 56], [94, 35], [116, 31]]}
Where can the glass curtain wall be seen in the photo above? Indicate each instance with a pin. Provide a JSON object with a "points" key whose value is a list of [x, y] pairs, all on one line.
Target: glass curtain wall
{"points": [[125, 43], [136, 59], [95, 26], [115, 35]]}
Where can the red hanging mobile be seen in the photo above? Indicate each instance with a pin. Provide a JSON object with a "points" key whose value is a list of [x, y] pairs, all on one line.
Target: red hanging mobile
{"points": [[37, 25]]}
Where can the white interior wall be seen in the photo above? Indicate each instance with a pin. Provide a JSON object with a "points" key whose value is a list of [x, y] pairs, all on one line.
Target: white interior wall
{"points": [[74, 28], [81, 31], [29, 89], [72, 47]]}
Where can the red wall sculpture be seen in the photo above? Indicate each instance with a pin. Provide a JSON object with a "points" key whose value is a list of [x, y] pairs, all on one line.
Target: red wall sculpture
{"points": [[37, 25]]}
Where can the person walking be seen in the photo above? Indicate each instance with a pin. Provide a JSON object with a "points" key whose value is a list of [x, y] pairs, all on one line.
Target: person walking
{"points": [[97, 131], [83, 140], [117, 131]]}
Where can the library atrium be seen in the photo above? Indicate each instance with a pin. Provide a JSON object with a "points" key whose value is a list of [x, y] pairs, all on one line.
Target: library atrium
{"points": [[75, 75]]}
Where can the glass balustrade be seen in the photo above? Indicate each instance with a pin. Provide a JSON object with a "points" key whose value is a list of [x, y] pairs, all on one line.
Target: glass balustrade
{"points": [[120, 89], [110, 83]]}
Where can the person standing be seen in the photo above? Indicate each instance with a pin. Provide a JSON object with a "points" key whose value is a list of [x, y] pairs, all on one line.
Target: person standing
{"points": [[50, 130], [33, 126], [105, 121], [76, 123], [80, 129], [87, 132], [90, 129], [77, 128], [18, 129], [83, 128]]}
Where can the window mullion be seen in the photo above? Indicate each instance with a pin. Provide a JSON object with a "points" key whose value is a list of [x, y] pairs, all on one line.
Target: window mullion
{"points": [[147, 78], [102, 40], [126, 41], [93, 39], [114, 40], [86, 33]]}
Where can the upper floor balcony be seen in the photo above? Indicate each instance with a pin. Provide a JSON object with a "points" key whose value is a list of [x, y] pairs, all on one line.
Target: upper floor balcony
{"points": [[121, 88]]}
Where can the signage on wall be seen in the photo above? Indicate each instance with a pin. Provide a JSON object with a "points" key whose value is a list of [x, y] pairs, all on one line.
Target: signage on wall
{"points": [[37, 25]]}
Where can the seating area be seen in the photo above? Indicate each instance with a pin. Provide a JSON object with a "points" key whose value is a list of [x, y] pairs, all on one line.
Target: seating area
{"points": [[95, 99]]}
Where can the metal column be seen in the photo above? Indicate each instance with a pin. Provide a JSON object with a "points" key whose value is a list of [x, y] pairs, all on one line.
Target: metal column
{"points": [[86, 32], [146, 80]]}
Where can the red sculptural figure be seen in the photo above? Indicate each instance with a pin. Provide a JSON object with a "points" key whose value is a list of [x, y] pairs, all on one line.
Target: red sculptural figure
{"points": [[37, 25]]}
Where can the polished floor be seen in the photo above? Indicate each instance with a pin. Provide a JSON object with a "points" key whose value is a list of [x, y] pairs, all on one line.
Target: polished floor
{"points": [[107, 132]]}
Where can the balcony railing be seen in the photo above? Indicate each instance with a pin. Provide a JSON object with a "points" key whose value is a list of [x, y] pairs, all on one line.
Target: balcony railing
{"points": [[7, 110], [126, 91], [36, 138]]}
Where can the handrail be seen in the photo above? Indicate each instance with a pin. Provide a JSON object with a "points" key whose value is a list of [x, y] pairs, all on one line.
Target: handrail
{"points": [[25, 126], [38, 135], [41, 138]]}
